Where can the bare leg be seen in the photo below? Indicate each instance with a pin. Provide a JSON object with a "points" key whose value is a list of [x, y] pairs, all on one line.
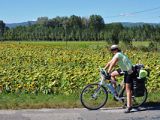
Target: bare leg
{"points": [[113, 77], [129, 95]]}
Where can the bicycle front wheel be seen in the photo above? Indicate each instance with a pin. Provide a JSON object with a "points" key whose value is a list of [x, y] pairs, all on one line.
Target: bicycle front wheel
{"points": [[94, 96]]}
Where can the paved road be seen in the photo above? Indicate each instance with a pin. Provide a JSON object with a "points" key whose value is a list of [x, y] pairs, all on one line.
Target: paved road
{"points": [[81, 114]]}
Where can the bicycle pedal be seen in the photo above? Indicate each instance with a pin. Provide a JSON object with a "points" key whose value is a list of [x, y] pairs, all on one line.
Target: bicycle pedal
{"points": [[117, 98], [124, 106]]}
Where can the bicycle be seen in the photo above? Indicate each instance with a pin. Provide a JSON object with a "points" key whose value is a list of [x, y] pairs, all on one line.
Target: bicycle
{"points": [[94, 96]]}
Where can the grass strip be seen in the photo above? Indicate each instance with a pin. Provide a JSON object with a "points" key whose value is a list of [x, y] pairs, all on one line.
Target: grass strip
{"points": [[32, 101]]}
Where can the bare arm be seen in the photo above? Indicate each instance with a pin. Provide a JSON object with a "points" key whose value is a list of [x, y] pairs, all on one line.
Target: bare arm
{"points": [[112, 64], [107, 65]]}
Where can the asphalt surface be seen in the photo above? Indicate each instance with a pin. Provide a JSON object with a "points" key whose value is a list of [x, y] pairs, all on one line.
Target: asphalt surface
{"points": [[150, 113]]}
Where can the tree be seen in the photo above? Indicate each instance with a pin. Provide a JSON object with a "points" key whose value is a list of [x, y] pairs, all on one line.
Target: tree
{"points": [[85, 23], [80, 28], [75, 22], [114, 29], [125, 36], [115, 37], [42, 20], [2, 28], [96, 23]]}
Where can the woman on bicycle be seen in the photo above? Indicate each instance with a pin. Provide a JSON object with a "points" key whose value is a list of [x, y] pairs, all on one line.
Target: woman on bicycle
{"points": [[125, 67]]}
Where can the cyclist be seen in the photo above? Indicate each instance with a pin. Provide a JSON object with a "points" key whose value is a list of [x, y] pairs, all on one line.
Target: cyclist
{"points": [[126, 67]]}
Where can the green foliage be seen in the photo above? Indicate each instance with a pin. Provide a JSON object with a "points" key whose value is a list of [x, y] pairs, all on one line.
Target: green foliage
{"points": [[51, 68], [2, 28], [96, 23], [76, 28], [32, 101], [153, 46]]}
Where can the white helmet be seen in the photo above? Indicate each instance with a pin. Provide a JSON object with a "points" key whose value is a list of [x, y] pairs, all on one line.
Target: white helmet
{"points": [[113, 47]]}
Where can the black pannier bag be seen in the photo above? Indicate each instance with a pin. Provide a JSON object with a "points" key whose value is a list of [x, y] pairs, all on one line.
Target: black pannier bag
{"points": [[139, 87], [138, 83]]}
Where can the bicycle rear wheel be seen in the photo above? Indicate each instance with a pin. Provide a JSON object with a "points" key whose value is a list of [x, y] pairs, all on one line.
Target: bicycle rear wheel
{"points": [[136, 101], [94, 96]]}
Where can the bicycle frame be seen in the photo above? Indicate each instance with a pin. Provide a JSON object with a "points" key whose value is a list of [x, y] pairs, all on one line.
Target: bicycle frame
{"points": [[106, 83]]}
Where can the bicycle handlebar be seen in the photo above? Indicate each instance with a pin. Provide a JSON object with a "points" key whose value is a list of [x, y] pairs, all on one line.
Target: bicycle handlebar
{"points": [[103, 72]]}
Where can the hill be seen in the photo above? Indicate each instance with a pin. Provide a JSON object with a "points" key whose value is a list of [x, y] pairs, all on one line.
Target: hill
{"points": [[129, 24], [125, 24], [13, 25]]}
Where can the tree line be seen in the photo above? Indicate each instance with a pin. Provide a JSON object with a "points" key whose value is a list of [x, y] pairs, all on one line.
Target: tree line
{"points": [[75, 28]]}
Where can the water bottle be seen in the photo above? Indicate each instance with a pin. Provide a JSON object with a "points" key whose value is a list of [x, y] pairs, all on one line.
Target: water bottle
{"points": [[111, 88]]}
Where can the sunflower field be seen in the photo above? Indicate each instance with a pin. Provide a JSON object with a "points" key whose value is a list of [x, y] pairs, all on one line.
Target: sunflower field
{"points": [[53, 68]]}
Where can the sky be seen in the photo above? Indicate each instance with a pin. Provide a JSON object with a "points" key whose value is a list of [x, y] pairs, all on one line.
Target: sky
{"points": [[15, 11]]}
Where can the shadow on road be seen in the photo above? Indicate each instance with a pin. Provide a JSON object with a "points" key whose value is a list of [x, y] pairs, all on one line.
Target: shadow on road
{"points": [[152, 105], [148, 106]]}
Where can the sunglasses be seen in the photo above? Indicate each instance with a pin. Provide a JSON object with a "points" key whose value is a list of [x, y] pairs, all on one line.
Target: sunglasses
{"points": [[113, 49]]}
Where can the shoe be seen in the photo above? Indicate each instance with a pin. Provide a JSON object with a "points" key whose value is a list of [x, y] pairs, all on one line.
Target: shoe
{"points": [[128, 110]]}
